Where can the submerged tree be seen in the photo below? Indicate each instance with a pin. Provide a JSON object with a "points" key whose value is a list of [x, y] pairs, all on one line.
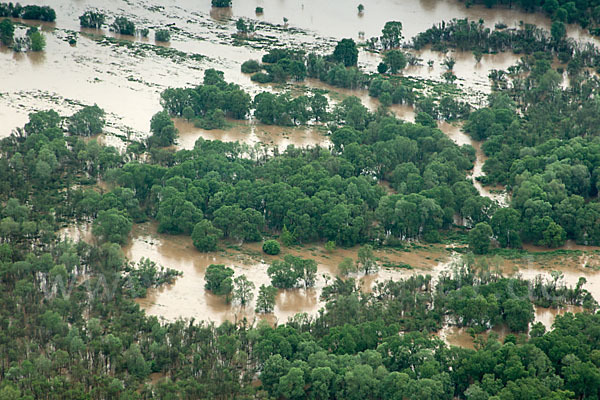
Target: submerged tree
{"points": [[218, 279], [123, 26], [221, 3], [346, 52], [92, 19], [243, 291], [265, 302]]}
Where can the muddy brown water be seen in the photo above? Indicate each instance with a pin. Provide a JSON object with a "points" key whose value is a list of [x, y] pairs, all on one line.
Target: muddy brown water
{"points": [[127, 82], [252, 133], [187, 298]]}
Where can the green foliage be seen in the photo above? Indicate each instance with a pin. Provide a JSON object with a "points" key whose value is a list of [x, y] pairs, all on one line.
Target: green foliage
{"points": [[218, 279], [265, 302], [395, 60], [214, 119], [38, 40], [205, 236], [480, 238], [88, 121], [146, 274], [162, 35], [366, 260], [286, 237], [221, 3], [112, 225], [292, 271], [271, 247], [7, 31], [209, 100], [163, 130], [123, 26], [175, 214], [346, 52], [347, 266], [391, 35], [243, 291], [92, 19], [261, 77], [250, 66], [259, 10]]}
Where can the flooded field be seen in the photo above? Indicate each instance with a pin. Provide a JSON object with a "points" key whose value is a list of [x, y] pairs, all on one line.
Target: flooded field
{"points": [[187, 298], [252, 134], [124, 75]]}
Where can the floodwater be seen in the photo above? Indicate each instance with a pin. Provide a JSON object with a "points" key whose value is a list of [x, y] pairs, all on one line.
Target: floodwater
{"points": [[187, 298], [252, 134], [496, 193], [125, 78]]}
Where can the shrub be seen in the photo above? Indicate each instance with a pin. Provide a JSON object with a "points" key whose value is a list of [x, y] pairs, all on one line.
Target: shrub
{"points": [[163, 35], [261, 77], [221, 3], [92, 19], [123, 26], [271, 247], [250, 67]]}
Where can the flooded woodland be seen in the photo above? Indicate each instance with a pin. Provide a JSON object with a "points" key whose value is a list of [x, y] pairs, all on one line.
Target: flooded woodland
{"points": [[125, 76]]}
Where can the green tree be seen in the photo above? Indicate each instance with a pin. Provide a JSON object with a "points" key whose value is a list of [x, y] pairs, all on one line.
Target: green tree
{"points": [[391, 35], [347, 266], [366, 259], [271, 247], [554, 235], [243, 291], [558, 31], [163, 130], [395, 60], [318, 105], [38, 40], [123, 26], [92, 19], [218, 279], [87, 122], [291, 385], [265, 302], [346, 52], [518, 313], [221, 3], [205, 236], [286, 237], [506, 225], [480, 238], [162, 35], [112, 226], [7, 32]]}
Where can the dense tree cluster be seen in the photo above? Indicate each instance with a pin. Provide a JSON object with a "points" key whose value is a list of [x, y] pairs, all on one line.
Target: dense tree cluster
{"points": [[208, 103], [548, 156], [584, 12], [463, 34], [92, 19], [70, 328], [221, 3], [314, 193], [35, 12], [123, 26]]}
